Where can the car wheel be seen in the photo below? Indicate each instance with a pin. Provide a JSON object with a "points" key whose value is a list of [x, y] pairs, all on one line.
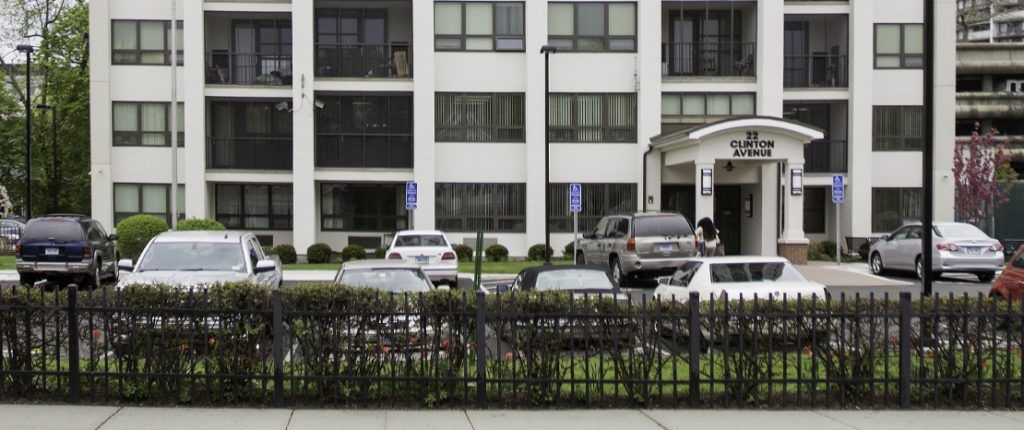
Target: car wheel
{"points": [[580, 259], [986, 276], [94, 280], [876, 264], [27, 279], [919, 268], [620, 279]]}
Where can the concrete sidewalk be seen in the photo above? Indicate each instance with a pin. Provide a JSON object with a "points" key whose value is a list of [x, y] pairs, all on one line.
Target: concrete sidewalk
{"points": [[25, 417], [846, 275]]}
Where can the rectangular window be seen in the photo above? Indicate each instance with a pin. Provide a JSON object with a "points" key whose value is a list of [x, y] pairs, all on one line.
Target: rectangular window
{"points": [[146, 124], [814, 209], [145, 42], [467, 207], [148, 199], [479, 117], [891, 206], [599, 200], [254, 206], [356, 130], [249, 135], [479, 26], [592, 27], [706, 104], [607, 118], [899, 46], [898, 128], [363, 207]]}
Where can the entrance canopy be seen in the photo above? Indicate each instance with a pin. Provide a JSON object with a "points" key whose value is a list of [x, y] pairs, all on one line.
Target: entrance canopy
{"points": [[757, 138]]}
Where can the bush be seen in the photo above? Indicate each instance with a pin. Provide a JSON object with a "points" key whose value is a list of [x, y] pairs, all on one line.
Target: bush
{"points": [[135, 232], [353, 252], [569, 251], [379, 252], [200, 224], [822, 251], [536, 252], [286, 252], [496, 253], [464, 252], [319, 253]]}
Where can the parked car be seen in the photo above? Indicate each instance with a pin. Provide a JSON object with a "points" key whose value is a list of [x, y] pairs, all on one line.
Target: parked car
{"points": [[642, 245], [385, 275], [64, 249], [431, 250], [196, 258], [579, 280], [736, 277], [1010, 283], [959, 247]]}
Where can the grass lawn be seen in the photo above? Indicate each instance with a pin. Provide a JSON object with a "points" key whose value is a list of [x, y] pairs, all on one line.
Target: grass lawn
{"points": [[6, 262], [505, 267]]}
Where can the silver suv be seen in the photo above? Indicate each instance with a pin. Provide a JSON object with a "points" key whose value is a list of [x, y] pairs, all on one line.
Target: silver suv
{"points": [[643, 245]]}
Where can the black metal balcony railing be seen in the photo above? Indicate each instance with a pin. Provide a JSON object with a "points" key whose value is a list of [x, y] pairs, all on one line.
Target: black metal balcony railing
{"points": [[708, 59], [358, 60], [249, 153], [248, 69], [815, 70], [825, 156]]}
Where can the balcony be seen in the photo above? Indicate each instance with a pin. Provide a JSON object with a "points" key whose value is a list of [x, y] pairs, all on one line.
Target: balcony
{"points": [[708, 59], [816, 49], [828, 155], [815, 71], [248, 69], [249, 153], [825, 156], [356, 60], [359, 39], [248, 48]]}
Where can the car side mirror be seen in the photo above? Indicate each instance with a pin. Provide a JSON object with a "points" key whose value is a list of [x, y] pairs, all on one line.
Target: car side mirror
{"points": [[502, 288], [126, 265], [664, 280], [265, 266], [112, 237], [885, 238]]}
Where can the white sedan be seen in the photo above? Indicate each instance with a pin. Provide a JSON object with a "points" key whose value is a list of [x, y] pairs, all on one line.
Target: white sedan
{"points": [[735, 277], [429, 249]]}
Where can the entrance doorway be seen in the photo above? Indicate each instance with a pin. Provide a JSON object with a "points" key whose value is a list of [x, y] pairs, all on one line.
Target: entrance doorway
{"points": [[728, 208], [680, 198]]}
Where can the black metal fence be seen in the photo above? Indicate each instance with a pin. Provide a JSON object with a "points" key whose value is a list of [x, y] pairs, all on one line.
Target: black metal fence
{"points": [[325, 345]]}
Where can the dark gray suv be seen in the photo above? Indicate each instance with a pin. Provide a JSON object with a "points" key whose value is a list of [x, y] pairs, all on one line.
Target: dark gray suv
{"points": [[642, 245], [66, 248]]}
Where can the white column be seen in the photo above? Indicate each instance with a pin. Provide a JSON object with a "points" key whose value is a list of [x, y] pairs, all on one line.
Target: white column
{"points": [[770, 19], [654, 165], [100, 133], [857, 217], [794, 210], [423, 111], [192, 86], [944, 102], [305, 220], [704, 205], [648, 69], [768, 210], [536, 36]]}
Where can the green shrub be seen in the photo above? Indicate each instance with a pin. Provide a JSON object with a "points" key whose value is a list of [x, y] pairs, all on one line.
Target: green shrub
{"points": [[496, 253], [380, 252], [536, 252], [822, 251], [200, 224], [319, 253], [135, 232], [569, 251], [353, 252], [464, 252], [286, 252]]}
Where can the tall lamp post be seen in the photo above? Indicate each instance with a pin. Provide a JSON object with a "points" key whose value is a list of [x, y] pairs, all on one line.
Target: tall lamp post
{"points": [[928, 153], [28, 50], [53, 137], [547, 50]]}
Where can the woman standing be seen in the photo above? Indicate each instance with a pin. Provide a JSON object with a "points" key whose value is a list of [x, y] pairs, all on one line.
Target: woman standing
{"points": [[707, 238]]}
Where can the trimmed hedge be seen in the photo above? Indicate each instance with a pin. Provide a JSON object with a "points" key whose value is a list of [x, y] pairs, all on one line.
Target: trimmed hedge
{"points": [[464, 252], [135, 232], [536, 252], [353, 252], [569, 251], [200, 224], [286, 252], [496, 253], [318, 253], [379, 253]]}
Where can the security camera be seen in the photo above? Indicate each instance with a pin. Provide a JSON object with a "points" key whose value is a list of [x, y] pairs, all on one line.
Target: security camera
{"points": [[283, 106], [318, 104]]}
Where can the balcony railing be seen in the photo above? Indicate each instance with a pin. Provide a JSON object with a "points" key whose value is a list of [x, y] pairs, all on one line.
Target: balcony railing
{"points": [[815, 70], [708, 59], [825, 156], [350, 151], [248, 69], [249, 153], [358, 60]]}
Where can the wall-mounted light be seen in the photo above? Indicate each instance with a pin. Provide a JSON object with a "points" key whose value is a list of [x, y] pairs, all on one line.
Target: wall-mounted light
{"points": [[729, 167], [796, 182], [748, 205], [706, 182]]}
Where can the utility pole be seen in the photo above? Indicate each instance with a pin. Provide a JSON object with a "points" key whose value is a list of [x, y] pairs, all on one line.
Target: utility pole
{"points": [[174, 114], [547, 50], [54, 191], [928, 153], [28, 50]]}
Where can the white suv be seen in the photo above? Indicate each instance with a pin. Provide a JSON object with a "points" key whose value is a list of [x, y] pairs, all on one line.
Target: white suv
{"points": [[431, 250]]}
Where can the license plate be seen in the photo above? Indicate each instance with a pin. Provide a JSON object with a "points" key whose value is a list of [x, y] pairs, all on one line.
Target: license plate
{"points": [[422, 259], [975, 251], [665, 247], [52, 251]]}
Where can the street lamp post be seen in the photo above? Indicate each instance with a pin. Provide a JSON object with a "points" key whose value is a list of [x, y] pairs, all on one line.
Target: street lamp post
{"points": [[28, 50], [547, 50], [53, 137]]}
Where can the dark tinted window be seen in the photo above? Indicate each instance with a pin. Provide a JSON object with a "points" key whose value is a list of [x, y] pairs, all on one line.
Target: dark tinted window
{"points": [[754, 272], [420, 240], [662, 226], [58, 230], [684, 275]]}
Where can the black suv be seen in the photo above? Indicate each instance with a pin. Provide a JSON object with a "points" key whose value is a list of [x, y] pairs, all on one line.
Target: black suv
{"points": [[65, 249]]}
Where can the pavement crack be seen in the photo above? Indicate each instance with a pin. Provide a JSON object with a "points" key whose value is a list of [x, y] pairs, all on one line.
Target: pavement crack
{"points": [[656, 422], [468, 419], [834, 419], [108, 418], [290, 415]]}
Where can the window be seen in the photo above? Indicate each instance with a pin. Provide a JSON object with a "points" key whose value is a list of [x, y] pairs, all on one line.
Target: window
{"points": [[363, 207], [706, 104], [496, 208], [249, 135], [814, 209], [593, 27], [593, 117], [479, 117], [599, 200], [478, 26], [898, 128], [149, 199], [899, 46], [146, 124], [145, 42], [891, 206], [364, 131], [255, 206]]}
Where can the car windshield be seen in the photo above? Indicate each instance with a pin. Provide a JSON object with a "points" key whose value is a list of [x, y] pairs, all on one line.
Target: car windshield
{"points": [[960, 231], [573, 279], [390, 280], [684, 274], [193, 257], [420, 240], [661, 226], [64, 231], [754, 272]]}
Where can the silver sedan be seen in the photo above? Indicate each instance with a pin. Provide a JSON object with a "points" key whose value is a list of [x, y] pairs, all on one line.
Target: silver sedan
{"points": [[958, 247]]}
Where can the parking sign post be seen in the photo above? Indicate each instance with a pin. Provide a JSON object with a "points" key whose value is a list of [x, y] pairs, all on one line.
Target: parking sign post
{"points": [[838, 197], [410, 200], [575, 206]]}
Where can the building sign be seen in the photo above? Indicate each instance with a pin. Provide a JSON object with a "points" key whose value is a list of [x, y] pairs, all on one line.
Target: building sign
{"points": [[752, 146]]}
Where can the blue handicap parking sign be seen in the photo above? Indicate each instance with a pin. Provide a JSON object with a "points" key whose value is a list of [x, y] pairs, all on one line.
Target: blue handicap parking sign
{"points": [[410, 195], [575, 198], [838, 192]]}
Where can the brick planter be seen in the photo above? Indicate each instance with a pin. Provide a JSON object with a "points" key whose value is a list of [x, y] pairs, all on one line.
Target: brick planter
{"points": [[796, 253]]}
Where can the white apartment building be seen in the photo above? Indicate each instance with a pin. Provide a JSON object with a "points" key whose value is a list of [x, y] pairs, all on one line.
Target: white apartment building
{"points": [[303, 120]]}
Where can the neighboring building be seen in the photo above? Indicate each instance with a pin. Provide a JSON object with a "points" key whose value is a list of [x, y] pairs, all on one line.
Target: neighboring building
{"points": [[990, 20], [304, 120]]}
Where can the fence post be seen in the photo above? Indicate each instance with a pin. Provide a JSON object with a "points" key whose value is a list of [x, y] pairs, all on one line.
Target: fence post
{"points": [[73, 365], [481, 352], [694, 308], [278, 348], [905, 350]]}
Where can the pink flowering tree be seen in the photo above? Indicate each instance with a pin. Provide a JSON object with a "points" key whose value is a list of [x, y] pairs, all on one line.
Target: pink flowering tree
{"points": [[983, 175]]}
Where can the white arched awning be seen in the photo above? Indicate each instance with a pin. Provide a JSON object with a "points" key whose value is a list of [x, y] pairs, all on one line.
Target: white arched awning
{"points": [[757, 138]]}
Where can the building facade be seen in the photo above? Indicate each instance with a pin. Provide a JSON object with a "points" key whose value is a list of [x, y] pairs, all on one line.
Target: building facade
{"points": [[303, 120]]}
